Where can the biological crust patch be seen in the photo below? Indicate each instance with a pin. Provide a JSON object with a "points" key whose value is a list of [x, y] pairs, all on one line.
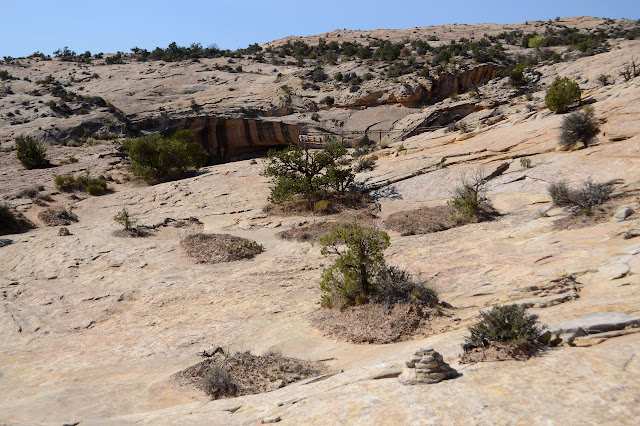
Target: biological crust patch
{"points": [[219, 248], [375, 323], [423, 221], [224, 375]]}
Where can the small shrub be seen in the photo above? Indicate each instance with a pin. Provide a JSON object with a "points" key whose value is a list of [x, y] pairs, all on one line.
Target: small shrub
{"points": [[329, 101], [591, 194], [629, 70], [4, 75], [561, 94], [115, 59], [31, 191], [155, 158], [517, 77], [364, 146], [7, 218], [321, 206], [394, 285], [604, 79], [364, 164], [125, 219], [470, 200], [588, 195], [579, 126], [85, 183], [351, 278], [525, 162], [401, 148], [462, 126], [12, 222], [218, 383], [35, 193], [311, 174], [508, 324], [31, 152], [560, 194]]}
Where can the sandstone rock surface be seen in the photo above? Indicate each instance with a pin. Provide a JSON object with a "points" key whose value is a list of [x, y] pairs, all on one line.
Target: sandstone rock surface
{"points": [[92, 326]]}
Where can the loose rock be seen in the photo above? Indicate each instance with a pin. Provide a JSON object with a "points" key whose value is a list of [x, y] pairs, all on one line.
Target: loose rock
{"points": [[622, 213]]}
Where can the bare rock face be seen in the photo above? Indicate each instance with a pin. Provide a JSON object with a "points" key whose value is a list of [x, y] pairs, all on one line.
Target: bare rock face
{"points": [[447, 84], [602, 322], [426, 91], [229, 138], [426, 366]]}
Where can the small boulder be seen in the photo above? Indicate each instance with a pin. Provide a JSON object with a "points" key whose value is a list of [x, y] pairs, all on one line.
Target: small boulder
{"points": [[622, 213], [277, 385]]}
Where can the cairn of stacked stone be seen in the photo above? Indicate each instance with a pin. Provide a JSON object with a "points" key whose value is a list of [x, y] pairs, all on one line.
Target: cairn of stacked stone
{"points": [[426, 366]]}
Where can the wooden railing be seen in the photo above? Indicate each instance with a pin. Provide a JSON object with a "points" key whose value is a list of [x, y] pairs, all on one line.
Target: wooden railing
{"points": [[309, 141]]}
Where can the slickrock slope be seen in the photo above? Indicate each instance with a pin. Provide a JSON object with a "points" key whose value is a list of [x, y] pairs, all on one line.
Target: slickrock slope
{"points": [[239, 106], [93, 326]]}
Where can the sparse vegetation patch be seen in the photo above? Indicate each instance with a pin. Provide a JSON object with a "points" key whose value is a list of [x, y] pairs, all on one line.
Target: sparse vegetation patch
{"points": [[586, 196], [226, 375], [57, 217], [218, 248], [470, 200], [84, 183], [422, 221], [508, 330], [36, 194]]}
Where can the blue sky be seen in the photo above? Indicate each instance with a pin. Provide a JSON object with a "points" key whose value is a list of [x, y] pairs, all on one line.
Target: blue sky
{"points": [[27, 26]]}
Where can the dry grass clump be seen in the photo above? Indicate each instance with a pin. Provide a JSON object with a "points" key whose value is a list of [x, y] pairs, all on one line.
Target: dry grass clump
{"points": [[306, 234], [311, 233], [36, 194], [469, 204], [57, 217], [225, 375], [423, 221], [375, 323], [218, 248]]}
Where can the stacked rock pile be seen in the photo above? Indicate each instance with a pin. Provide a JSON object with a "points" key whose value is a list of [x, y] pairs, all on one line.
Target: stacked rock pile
{"points": [[426, 366]]}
